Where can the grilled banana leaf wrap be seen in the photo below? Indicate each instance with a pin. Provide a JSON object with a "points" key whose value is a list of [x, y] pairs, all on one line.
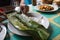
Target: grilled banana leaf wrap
{"points": [[25, 24]]}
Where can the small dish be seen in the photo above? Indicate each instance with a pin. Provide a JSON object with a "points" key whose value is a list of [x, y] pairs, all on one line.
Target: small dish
{"points": [[54, 6], [3, 32]]}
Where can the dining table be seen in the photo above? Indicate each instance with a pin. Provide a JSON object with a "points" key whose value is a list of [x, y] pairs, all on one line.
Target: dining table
{"points": [[54, 26]]}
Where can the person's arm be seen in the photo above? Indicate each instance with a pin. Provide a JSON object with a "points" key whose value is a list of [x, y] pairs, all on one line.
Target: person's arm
{"points": [[22, 2], [23, 7]]}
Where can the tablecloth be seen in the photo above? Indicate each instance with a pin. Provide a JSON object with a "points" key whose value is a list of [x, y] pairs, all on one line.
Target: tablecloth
{"points": [[54, 20], [54, 28]]}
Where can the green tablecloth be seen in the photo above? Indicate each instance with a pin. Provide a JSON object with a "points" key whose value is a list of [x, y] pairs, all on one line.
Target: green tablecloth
{"points": [[54, 29], [54, 19]]}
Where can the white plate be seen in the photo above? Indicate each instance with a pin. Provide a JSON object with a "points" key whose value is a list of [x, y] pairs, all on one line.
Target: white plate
{"points": [[54, 6], [15, 31], [3, 32], [40, 19]]}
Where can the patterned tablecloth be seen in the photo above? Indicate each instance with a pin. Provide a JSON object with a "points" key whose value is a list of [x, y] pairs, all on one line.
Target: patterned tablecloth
{"points": [[54, 19], [54, 29]]}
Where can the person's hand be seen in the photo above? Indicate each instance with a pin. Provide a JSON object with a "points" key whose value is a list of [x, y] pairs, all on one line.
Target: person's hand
{"points": [[24, 8]]}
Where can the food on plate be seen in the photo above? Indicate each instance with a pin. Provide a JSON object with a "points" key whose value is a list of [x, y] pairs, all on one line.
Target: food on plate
{"points": [[45, 8], [25, 24]]}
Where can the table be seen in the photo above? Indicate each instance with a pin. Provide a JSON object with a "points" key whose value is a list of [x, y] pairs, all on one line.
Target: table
{"points": [[54, 29], [54, 19]]}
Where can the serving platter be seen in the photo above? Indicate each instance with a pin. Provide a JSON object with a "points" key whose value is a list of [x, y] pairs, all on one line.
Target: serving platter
{"points": [[16, 29]]}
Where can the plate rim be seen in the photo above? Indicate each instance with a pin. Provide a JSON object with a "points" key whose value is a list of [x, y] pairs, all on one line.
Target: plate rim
{"points": [[14, 32]]}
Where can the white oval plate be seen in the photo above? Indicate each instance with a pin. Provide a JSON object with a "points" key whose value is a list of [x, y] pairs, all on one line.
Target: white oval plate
{"points": [[40, 19], [3, 32], [16, 31], [54, 6], [43, 21]]}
